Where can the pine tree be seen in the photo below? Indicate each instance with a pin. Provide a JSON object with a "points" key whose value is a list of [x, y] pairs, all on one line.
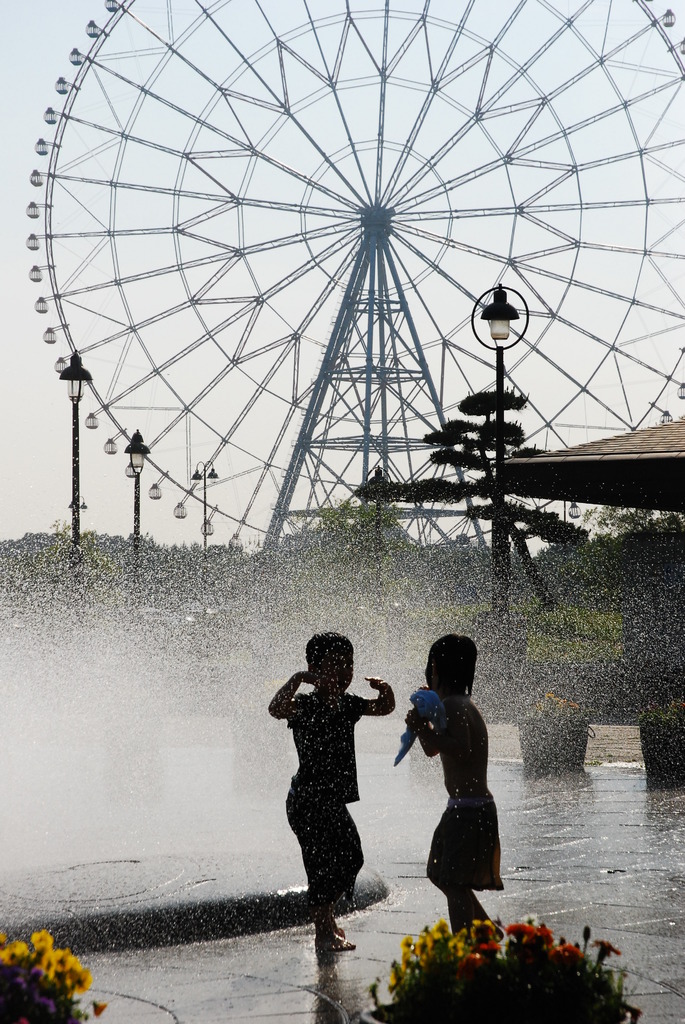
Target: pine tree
{"points": [[468, 444]]}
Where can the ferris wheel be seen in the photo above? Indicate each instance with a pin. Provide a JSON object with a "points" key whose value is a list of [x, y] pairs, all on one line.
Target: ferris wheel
{"points": [[265, 225]]}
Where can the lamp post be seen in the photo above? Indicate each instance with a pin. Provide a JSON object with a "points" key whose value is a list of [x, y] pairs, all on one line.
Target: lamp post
{"points": [[204, 476], [76, 376], [136, 450], [499, 313], [375, 482]]}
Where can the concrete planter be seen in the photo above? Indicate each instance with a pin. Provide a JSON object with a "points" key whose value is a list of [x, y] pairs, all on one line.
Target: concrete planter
{"points": [[552, 745], [663, 749]]}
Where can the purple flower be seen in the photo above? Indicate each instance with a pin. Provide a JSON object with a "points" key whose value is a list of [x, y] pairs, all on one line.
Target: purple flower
{"points": [[46, 1003]]}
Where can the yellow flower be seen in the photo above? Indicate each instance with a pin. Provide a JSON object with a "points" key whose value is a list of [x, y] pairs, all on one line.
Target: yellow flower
{"points": [[15, 953], [457, 946], [62, 960], [45, 959], [440, 930], [407, 947], [42, 940], [424, 948], [84, 979]]}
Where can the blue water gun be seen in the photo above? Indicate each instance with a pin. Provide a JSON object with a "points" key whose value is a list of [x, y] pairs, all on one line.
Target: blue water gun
{"points": [[430, 707]]}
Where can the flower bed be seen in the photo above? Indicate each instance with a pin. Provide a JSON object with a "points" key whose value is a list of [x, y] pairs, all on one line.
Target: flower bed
{"points": [[531, 979], [39, 985]]}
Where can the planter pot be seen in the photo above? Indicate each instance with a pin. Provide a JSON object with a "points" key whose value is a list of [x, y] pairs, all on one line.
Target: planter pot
{"points": [[553, 745], [376, 1017], [663, 748]]}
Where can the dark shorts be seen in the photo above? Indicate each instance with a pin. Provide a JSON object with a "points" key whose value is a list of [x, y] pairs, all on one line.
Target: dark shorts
{"points": [[465, 851], [330, 844]]}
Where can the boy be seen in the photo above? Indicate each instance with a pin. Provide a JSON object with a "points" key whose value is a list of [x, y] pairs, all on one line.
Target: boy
{"points": [[323, 729], [465, 852]]}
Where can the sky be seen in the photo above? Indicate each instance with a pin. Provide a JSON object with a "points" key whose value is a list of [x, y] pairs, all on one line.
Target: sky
{"points": [[36, 413]]}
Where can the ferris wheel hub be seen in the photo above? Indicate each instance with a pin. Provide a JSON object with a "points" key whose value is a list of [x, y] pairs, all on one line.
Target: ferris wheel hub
{"points": [[377, 220]]}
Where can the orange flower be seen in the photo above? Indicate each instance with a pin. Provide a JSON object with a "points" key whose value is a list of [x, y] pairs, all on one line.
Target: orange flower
{"points": [[545, 934], [605, 949], [488, 947], [99, 1009], [566, 954], [469, 965], [483, 931], [520, 931]]}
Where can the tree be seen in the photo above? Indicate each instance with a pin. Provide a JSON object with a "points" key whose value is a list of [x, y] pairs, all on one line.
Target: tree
{"points": [[37, 570], [614, 521], [592, 575], [469, 444]]}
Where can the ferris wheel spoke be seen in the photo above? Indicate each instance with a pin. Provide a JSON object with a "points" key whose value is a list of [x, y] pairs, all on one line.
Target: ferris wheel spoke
{"points": [[283, 106], [523, 70], [383, 76], [300, 271], [239, 147], [621, 107], [448, 243], [447, 346], [281, 242], [659, 121], [587, 286], [443, 77], [558, 207], [342, 219], [111, 142], [561, 134], [67, 287], [135, 186], [420, 199], [608, 347], [331, 80], [428, 312], [481, 110], [675, 292], [192, 406]]}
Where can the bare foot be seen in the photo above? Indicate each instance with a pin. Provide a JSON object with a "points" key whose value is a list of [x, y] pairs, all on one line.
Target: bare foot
{"points": [[333, 943]]}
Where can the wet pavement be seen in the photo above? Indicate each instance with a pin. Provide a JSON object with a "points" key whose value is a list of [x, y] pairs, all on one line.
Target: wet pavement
{"points": [[199, 838]]}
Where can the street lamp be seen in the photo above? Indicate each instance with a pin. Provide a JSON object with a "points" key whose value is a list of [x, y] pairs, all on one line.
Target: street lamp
{"points": [[499, 313], [375, 483], [76, 376], [136, 450], [204, 476]]}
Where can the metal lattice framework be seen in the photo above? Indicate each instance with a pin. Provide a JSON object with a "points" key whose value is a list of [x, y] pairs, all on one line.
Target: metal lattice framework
{"points": [[266, 224]]}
